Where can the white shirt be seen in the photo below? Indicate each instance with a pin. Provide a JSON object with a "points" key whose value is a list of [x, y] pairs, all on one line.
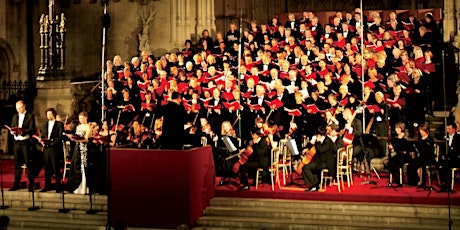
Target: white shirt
{"points": [[260, 100], [20, 123], [21, 119], [50, 128]]}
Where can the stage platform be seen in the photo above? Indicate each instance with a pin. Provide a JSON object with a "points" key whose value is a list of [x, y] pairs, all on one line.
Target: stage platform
{"points": [[379, 193]]}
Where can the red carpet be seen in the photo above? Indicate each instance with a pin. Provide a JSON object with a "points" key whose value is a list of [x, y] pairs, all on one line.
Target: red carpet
{"points": [[358, 192], [8, 175], [379, 193]]}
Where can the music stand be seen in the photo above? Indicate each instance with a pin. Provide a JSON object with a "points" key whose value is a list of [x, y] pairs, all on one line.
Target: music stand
{"points": [[229, 144], [291, 144], [3, 206], [231, 148]]}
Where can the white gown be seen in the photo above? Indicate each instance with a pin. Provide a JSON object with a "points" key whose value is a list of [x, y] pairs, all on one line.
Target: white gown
{"points": [[83, 148]]}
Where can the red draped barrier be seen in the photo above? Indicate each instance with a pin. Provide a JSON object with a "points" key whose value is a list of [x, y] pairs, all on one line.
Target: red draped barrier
{"points": [[160, 188]]}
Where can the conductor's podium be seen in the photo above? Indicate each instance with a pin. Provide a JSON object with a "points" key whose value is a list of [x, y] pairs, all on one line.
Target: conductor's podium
{"points": [[160, 188]]}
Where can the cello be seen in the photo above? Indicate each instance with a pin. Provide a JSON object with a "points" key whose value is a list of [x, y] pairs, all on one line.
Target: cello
{"points": [[244, 155], [306, 160]]}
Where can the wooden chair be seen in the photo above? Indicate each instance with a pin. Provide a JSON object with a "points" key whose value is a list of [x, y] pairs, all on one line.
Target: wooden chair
{"points": [[67, 162], [285, 162], [453, 177], [430, 169], [273, 168], [349, 164], [341, 171]]}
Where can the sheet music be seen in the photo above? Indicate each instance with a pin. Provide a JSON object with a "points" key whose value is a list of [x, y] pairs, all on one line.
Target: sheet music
{"points": [[229, 144]]}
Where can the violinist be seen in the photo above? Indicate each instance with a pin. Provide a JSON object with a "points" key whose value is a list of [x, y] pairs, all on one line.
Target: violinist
{"points": [[155, 135], [135, 133], [205, 131], [222, 165], [259, 157]]}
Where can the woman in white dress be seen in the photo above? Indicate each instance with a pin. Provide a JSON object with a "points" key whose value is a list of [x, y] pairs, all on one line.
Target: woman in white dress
{"points": [[77, 178]]}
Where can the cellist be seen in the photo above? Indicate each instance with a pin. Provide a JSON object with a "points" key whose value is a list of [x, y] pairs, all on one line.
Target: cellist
{"points": [[258, 156], [324, 158]]}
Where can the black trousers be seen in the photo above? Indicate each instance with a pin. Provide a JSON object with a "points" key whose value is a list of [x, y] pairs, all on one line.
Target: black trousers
{"points": [[250, 169], [52, 166], [22, 152]]}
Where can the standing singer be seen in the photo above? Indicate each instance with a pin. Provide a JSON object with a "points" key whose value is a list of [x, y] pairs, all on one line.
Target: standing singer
{"points": [[22, 148], [52, 151]]}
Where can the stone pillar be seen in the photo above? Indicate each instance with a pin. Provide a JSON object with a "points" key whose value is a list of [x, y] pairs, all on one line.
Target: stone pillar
{"points": [[189, 21], [3, 15], [450, 27], [205, 17], [457, 25], [53, 94]]}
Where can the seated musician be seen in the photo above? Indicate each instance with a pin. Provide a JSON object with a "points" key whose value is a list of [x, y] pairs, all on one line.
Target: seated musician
{"points": [[355, 128], [223, 165], [259, 157], [426, 156], [398, 154], [451, 159], [324, 158]]}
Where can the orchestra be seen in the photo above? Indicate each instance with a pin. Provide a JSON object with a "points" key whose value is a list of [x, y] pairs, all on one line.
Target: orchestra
{"points": [[297, 81]]}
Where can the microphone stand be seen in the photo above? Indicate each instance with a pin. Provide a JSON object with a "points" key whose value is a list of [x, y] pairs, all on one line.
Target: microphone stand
{"points": [[63, 209], [109, 187], [3, 206], [449, 172]]}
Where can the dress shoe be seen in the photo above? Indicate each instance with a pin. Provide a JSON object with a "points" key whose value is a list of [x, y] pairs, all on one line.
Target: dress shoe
{"points": [[313, 189], [14, 188], [244, 187]]}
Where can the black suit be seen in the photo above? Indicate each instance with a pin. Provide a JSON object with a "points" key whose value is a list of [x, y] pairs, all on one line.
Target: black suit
{"points": [[260, 158], [23, 148], [53, 152], [324, 158], [450, 160], [174, 118]]}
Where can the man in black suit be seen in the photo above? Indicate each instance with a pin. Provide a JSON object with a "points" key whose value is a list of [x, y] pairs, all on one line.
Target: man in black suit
{"points": [[451, 159], [259, 158], [22, 147], [52, 149], [174, 118], [324, 158]]}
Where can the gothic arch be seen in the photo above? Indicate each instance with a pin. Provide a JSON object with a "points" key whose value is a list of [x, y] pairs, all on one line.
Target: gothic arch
{"points": [[7, 60]]}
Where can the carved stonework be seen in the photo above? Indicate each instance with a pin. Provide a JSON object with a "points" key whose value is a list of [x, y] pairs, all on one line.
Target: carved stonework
{"points": [[146, 19]]}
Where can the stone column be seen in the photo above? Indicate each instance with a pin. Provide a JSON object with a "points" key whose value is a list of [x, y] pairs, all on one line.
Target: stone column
{"points": [[449, 19], [205, 18], [457, 25], [189, 21], [212, 19]]}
